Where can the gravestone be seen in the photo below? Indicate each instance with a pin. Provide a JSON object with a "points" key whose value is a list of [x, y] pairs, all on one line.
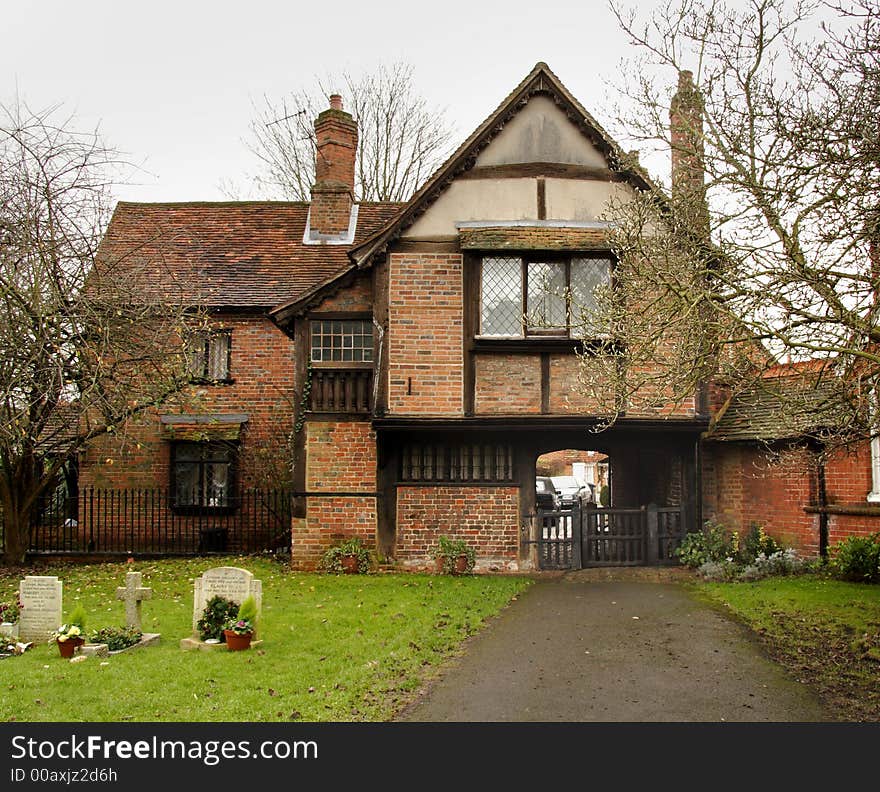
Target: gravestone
{"points": [[230, 582], [40, 598], [133, 593]]}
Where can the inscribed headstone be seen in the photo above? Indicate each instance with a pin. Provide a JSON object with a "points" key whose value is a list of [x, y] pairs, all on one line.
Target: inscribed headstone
{"points": [[230, 582], [40, 598]]}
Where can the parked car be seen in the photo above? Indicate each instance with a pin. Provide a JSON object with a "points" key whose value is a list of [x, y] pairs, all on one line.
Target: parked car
{"points": [[546, 497], [573, 492]]}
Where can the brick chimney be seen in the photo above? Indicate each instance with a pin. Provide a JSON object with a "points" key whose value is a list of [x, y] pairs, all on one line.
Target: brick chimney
{"points": [[336, 137], [686, 130]]}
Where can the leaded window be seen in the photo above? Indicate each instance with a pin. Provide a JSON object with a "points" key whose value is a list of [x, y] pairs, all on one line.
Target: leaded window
{"points": [[203, 474], [209, 354], [342, 341], [539, 295]]}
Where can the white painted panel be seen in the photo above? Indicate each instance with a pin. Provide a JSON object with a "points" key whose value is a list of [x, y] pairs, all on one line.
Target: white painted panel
{"points": [[477, 199], [572, 199], [541, 132]]}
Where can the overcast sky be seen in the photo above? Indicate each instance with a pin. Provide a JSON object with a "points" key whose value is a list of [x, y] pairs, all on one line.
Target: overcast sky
{"points": [[173, 84]]}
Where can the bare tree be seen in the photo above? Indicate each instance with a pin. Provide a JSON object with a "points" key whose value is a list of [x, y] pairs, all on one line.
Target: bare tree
{"points": [[783, 143], [83, 347], [402, 139]]}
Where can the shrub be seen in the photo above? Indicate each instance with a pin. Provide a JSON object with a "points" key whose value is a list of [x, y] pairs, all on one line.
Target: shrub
{"points": [[713, 543], [857, 558], [722, 571], [331, 561], [782, 562], [450, 549], [755, 543], [116, 638], [218, 612]]}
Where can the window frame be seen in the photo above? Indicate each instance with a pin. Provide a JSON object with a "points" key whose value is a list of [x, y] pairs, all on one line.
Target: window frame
{"points": [[208, 337], [232, 477], [549, 335]]}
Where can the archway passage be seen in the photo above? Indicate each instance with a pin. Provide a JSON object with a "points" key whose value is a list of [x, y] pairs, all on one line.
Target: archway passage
{"points": [[626, 505]]}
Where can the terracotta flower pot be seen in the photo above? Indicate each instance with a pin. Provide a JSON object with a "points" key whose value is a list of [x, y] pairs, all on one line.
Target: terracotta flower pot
{"points": [[236, 642], [461, 564], [68, 648], [350, 564]]}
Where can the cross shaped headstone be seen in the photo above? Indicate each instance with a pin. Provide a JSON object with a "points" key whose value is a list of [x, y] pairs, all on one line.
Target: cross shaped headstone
{"points": [[133, 593]]}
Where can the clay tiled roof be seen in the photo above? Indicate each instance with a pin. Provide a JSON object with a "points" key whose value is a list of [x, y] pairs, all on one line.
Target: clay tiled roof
{"points": [[236, 255], [781, 407]]}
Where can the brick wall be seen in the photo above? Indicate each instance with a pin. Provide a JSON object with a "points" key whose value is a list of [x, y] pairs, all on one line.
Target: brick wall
{"points": [[425, 334], [328, 521], [742, 488], [340, 458], [262, 370], [485, 517], [507, 384], [355, 297]]}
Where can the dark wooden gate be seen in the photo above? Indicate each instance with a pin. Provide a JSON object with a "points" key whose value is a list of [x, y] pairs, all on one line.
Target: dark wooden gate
{"points": [[591, 537]]}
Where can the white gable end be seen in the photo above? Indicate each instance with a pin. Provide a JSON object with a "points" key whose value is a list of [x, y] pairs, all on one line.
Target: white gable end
{"points": [[541, 132]]}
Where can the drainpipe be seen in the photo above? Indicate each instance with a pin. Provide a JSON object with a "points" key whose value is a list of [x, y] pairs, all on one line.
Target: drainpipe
{"points": [[823, 511]]}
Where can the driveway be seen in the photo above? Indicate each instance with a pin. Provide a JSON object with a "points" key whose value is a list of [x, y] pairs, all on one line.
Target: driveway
{"points": [[594, 646]]}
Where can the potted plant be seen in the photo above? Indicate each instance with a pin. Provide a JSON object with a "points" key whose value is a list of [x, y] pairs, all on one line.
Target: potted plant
{"points": [[240, 631], [454, 556], [349, 557], [70, 635]]}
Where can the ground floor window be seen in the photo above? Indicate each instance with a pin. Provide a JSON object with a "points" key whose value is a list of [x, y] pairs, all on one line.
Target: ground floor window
{"points": [[466, 462], [202, 474]]}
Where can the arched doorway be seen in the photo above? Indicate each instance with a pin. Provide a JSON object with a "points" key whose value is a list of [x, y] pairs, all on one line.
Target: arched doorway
{"points": [[624, 504]]}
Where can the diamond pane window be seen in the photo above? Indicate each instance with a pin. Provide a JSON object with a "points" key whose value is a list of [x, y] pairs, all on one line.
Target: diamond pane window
{"points": [[588, 277], [546, 309], [559, 298], [208, 355], [501, 308], [349, 341]]}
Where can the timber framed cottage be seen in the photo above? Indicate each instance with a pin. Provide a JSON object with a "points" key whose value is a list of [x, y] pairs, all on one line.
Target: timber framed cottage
{"points": [[401, 367]]}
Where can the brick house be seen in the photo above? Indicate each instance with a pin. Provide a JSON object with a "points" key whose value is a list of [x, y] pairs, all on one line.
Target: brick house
{"points": [[403, 366]]}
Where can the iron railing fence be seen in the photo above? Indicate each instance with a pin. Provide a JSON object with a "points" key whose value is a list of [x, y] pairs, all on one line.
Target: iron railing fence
{"points": [[152, 522]]}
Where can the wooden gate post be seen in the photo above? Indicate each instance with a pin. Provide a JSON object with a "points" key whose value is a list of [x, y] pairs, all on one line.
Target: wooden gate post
{"points": [[652, 554], [577, 516]]}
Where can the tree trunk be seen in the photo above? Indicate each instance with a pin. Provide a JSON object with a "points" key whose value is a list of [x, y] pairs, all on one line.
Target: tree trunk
{"points": [[16, 533]]}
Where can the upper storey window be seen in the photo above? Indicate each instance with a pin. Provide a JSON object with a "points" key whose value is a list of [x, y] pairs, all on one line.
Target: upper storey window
{"points": [[208, 355], [349, 341], [539, 295]]}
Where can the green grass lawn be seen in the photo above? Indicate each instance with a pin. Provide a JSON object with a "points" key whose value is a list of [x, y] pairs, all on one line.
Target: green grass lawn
{"points": [[335, 648], [826, 632]]}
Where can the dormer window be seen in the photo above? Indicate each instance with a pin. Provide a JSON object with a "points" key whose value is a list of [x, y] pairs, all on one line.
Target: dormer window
{"points": [[541, 295]]}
